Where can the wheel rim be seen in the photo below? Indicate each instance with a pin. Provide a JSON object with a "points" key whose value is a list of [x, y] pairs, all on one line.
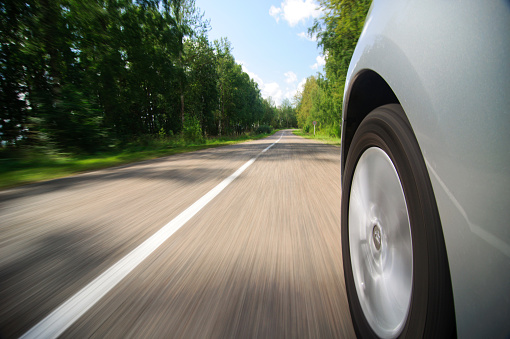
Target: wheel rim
{"points": [[380, 243]]}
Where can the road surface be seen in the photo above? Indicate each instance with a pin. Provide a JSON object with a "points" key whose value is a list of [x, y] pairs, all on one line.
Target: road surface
{"points": [[260, 259]]}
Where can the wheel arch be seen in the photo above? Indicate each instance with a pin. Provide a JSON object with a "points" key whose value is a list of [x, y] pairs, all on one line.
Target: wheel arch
{"points": [[368, 91]]}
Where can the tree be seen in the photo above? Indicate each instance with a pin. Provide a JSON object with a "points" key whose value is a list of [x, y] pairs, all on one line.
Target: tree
{"points": [[202, 74], [78, 73], [240, 101], [14, 111], [287, 114], [268, 112], [337, 33], [305, 113], [188, 20], [226, 87]]}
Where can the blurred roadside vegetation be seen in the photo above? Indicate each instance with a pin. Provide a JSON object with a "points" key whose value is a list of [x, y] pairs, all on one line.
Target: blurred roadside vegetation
{"points": [[337, 32], [28, 165], [320, 136], [88, 84], [80, 75]]}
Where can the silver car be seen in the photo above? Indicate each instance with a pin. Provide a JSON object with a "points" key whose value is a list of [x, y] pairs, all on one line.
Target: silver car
{"points": [[426, 171]]}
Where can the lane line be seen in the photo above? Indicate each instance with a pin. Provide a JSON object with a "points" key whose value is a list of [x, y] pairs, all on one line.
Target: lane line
{"points": [[71, 310]]}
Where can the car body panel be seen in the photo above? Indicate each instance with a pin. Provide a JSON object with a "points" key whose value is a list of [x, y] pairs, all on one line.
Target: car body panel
{"points": [[448, 64]]}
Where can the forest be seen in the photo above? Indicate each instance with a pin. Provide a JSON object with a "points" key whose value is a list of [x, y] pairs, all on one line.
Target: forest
{"points": [[337, 32], [80, 75]]}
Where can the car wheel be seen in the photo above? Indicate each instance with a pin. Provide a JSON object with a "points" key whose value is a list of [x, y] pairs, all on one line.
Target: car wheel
{"points": [[396, 269]]}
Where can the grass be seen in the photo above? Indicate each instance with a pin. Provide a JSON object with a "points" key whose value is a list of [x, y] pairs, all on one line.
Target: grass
{"points": [[29, 166], [319, 137]]}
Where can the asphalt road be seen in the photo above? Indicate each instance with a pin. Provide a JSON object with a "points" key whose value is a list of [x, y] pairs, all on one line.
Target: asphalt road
{"points": [[260, 260]]}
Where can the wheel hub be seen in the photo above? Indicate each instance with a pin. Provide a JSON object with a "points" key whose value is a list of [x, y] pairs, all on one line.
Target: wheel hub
{"points": [[380, 243], [376, 237]]}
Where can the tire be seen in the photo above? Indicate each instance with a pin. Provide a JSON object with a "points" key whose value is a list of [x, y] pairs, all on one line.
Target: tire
{"points": [[396, 268]]}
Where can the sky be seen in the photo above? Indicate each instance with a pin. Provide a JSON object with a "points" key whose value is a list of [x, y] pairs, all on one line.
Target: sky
{"points": [[269, 39]]}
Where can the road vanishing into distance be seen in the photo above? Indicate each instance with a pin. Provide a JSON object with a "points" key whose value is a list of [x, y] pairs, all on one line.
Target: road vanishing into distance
{"points": [[233, 242]]}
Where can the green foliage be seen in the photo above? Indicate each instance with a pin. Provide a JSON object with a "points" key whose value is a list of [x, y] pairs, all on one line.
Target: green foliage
{"points": [[191, 131], [305, 109], [22, 166], [240, 103], [263, 129], [337, 33], [78, 75], [284, 116], [201, 96], [332, 140]]}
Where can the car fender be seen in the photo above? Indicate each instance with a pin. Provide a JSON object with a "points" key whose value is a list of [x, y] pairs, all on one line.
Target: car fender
{"points": [[447, 65]]}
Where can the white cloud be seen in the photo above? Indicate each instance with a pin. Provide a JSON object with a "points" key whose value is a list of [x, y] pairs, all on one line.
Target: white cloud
{"points": [[301, 85], [289, 94], [321, 61], [290, 77], [306, 36], [254, 76], [295, 11], [275, 13], [272, 89], [292, 91]]}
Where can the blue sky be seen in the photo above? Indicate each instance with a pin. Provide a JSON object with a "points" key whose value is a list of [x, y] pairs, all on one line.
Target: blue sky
{"points": [[269, 38]]}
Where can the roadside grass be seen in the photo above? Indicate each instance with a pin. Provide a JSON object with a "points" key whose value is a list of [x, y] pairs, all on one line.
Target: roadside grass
{"points": [[29, 166], [319, 137]]}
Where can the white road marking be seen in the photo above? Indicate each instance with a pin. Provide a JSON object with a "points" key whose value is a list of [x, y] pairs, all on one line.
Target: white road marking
{"points": [[71, 310]]}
